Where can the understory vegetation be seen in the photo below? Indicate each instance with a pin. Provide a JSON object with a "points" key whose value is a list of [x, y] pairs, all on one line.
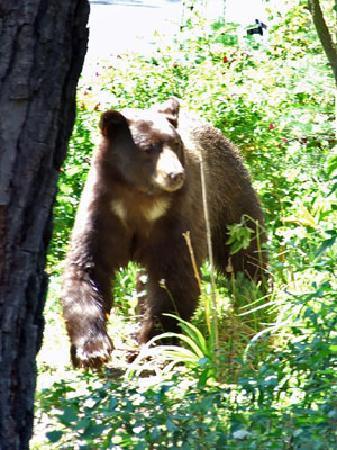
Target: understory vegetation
{"points": [[263, 373]]}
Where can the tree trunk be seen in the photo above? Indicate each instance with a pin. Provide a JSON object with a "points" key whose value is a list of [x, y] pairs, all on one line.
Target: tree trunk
{"points": [[42, 47]]}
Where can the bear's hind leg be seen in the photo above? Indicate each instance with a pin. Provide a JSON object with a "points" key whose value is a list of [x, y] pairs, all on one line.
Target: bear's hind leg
{"points": [[171, 289]]}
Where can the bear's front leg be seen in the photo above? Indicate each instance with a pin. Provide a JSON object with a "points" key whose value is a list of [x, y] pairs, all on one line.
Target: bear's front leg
{"points": [[85, 313]]}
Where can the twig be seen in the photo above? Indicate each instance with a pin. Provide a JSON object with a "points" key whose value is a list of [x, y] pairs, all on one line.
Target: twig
{"points": [[210, 253]]}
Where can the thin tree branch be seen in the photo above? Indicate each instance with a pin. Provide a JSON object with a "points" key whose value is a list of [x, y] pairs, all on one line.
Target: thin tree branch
{"points": [[324, 34]]}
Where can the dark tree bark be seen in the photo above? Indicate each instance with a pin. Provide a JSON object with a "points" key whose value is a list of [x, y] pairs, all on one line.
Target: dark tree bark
{"points": [[42, 47]]}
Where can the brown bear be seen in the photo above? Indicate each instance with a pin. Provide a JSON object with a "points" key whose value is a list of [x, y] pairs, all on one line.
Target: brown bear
{"points": [[142, 194]]}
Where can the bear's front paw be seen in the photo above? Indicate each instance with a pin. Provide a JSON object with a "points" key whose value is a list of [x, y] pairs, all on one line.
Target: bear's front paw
{"points": [[92, 352]]}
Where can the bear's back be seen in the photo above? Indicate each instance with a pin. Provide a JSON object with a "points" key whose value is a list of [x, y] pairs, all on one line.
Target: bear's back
{"points": [[227, 180]]}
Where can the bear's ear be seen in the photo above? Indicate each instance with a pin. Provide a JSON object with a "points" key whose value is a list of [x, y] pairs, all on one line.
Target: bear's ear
{"points": [[170, 109], [111, 123]]}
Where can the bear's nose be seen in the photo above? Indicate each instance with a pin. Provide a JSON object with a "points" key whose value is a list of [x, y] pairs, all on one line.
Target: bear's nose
{"points": [[176, 177]]}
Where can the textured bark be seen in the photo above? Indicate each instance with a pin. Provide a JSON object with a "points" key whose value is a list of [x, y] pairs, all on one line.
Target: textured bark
{"points": [[42, 47]]}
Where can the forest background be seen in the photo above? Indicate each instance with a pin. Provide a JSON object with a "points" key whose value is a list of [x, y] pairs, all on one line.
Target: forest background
{"points": [[262, 374]]}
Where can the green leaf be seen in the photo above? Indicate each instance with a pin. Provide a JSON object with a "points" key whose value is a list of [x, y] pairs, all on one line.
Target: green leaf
{"points": [[333, 348], [170, 426], [332, 165], [326, 244], [205, 374], [303, 217], [54, 436], [70, 415]]}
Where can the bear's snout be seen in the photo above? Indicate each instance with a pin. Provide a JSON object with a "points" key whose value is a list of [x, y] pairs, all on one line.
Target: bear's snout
{"points": [[175, 179], [170, 181], [170, 172]]}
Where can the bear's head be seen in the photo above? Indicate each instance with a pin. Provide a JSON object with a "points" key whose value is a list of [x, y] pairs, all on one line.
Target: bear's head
{"points": [[144, 147]]}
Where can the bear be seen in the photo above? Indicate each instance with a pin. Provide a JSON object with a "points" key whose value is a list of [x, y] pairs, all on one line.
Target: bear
{"points": [[142, 194]]}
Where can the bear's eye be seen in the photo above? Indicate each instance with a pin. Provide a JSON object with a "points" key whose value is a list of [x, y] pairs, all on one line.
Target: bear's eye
{"points": [[153, 148]]}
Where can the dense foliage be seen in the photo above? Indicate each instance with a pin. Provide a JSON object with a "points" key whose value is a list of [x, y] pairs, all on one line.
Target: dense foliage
{"points": [[273, 381]]}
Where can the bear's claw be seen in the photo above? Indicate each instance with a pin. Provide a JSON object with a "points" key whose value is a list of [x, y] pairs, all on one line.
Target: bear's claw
{"points": [[91, 353]]}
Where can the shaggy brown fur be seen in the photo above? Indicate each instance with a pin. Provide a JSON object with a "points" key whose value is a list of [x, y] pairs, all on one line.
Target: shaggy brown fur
{"points": [[143, 192]]}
